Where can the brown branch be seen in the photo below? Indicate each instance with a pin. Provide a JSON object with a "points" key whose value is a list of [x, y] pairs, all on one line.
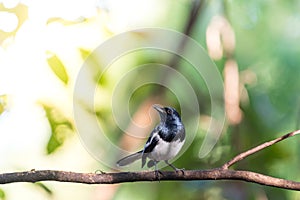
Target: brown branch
{"points": [[258, 148], [222, 173], [112, 178], [194, 12]]}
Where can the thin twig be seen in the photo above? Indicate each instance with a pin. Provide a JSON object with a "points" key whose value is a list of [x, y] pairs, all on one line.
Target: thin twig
{"points": [[258, 148]]}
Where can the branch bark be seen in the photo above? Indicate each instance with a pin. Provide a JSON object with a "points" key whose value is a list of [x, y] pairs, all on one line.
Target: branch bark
{"points": [[222, 173], [113, 178]]}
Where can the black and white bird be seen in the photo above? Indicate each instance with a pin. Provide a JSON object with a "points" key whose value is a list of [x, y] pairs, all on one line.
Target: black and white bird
{"points": [[164, 142]]}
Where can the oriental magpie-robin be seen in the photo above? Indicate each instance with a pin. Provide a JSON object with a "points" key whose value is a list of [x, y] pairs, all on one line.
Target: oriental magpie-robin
{"points": [[164, 142]]}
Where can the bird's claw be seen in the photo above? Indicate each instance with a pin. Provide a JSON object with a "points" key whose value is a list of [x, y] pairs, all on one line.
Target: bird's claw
{"points": [[182, 170], [99, 171], [157, 172]]}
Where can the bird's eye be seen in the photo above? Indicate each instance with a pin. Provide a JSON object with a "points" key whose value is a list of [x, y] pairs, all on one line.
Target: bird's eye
{"points": [[169, 111]]}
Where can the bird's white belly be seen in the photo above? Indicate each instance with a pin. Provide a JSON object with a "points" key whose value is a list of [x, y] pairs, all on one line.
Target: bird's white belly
{"points": [[165, 150]]}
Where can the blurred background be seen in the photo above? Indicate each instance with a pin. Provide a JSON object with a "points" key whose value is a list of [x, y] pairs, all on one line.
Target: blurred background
{"points": [[43, 44]]}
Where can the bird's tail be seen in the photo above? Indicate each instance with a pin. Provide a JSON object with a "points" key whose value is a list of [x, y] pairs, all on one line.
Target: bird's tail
{"points": [[130, 159]]}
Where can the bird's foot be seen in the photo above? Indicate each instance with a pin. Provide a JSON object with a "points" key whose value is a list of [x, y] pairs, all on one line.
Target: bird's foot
{"points": [[99, 171], [175, 168], [157, 172], [181, 170]]}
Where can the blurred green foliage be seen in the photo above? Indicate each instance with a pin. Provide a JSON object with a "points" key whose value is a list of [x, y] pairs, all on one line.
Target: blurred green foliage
{"points": [[44, 187], [61, 127], [267, 44], [3, 103], [2, 195]]}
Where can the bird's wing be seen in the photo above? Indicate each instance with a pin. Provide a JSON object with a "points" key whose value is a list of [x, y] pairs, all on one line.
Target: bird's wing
{"points": [[152, 140], [150, 144]]}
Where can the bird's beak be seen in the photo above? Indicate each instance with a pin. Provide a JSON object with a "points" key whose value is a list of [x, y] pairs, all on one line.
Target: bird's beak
{"points": [[159, 108], [161, 111]]}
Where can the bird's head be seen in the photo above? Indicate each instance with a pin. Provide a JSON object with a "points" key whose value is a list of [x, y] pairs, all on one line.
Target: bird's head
{"points": [[167, 114]]}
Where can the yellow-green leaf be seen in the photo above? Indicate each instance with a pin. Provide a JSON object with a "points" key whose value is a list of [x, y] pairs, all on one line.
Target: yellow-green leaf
{"points": [[58, 68]]}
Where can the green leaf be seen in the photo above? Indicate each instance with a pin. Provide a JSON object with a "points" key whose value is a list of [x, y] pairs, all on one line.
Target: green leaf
{"points": [[44, 187], [2, 194], [58, 67], [61, 127]]}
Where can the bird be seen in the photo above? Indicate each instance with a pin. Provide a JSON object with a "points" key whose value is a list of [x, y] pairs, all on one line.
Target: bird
{"points": [[164, 142]]}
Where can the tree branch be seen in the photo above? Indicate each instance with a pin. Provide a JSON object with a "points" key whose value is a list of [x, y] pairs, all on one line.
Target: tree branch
{"points": [[222, 173], [113, 178]]}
